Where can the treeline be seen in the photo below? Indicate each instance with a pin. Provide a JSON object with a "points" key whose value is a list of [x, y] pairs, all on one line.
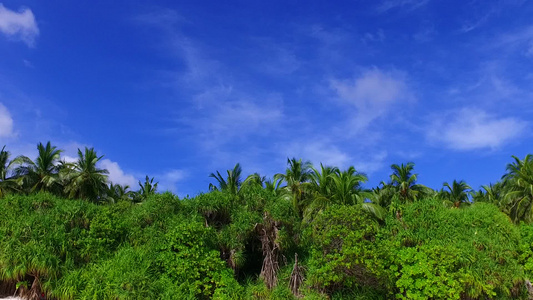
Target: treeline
{"points": [[81, 179], [312, 233]]}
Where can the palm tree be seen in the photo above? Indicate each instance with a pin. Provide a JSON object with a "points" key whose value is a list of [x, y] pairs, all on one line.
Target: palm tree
{"points": [[346, 186], [274, 186], [233, 182], [382, 195], [254, 180], [519, 186], [43, 173], [457, 193], [147, 189], [85, 179], [321, 181], [404, 181], [295, 176], [117, 192], [7, 183], [492, 193]]}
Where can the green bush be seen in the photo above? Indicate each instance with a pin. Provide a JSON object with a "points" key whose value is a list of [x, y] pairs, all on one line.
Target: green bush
{"points": [[190, 259], [526, 249], [342, 239], [440, 253]]}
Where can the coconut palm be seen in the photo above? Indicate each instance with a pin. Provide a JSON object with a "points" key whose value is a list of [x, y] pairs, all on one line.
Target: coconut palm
{"points": [[346, 186], [85, 179], [519, 187], [492, 193], [321, 181], [43, 173], [320, 189], [457, 193], [117, 192], [273, 186], [382, 194], [147, 189], [255, 179], [231, 184], [7, 183], [295, 176], [404, 182]]}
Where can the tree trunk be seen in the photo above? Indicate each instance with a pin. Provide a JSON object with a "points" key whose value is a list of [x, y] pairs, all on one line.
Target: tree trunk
{"points": [[271, 251], [296, 278]]}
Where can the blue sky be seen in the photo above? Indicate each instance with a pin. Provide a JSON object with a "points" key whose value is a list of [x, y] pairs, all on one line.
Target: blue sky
{"points": [[177, 90]]}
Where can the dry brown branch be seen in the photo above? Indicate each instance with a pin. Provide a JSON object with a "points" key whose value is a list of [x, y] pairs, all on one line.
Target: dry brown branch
{"points": [[268, 232], [297, 277]]}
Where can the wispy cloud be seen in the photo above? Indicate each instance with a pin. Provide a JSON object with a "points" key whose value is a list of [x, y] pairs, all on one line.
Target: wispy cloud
{"points": [[471, 128], [319, 151], [220, 111], [378, 36], [483, 12], [6, 122], [19, 25], [474, 24], [373, 163], [403, 4], [334, 151], [372, 94], [275, 59], [169, 181], [521, 40]]}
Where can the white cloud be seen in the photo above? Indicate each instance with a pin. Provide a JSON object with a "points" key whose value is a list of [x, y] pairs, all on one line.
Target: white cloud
{"points": [[470, 129], [373, 94], [117, 175], [317, 152], [19, 25], [69, 159], [326, 152], [6, 122], [168, 181]]}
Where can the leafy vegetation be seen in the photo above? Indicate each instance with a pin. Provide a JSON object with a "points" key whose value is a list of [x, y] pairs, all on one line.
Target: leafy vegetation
{"points": [[67, 232]]}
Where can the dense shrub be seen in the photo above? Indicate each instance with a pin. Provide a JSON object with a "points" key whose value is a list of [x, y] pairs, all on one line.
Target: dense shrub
{"points": [[213, 246], [440, 253], [342, 239]]}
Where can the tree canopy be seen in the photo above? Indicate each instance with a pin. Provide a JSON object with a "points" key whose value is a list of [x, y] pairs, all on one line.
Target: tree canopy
{"points": [[68, 232]]}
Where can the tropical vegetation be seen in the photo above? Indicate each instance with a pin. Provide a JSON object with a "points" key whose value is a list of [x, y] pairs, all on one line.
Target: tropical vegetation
{"points": [[68, 232]]}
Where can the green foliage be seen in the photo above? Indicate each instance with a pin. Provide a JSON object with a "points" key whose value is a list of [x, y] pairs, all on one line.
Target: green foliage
{"points": [[519, 189], [342, 239], [234, 242], [85, 180], [526, 249], [440, 253], [189, 258]]}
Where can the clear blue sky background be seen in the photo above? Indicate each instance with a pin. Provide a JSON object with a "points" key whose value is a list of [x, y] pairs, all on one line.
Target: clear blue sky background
{"points": [[179, 89]]}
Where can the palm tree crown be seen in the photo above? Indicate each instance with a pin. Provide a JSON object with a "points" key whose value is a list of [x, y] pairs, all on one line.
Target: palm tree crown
{"points": [[41, 174], [86, 180], [404, 181], [233, 182], [7, 183], [457, 192], [519, 185]]}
